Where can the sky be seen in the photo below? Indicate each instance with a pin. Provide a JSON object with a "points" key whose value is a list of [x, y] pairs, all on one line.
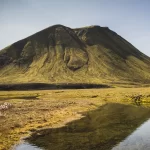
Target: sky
{"points": [[128, 18]]}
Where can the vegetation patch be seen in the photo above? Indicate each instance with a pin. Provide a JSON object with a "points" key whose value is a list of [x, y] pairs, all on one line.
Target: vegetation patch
{"points": [[54, 108]]}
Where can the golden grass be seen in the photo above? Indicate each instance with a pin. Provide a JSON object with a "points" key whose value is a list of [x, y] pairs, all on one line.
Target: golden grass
{"points": [[34, 110]]}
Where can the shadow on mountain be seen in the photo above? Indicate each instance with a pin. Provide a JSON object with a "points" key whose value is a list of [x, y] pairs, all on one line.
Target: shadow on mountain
{"points": [[101, 129], [44, 86]]}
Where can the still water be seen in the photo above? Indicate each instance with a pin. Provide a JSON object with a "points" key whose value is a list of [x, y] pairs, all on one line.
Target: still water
{"points": [[26, 146], [111, 127]]}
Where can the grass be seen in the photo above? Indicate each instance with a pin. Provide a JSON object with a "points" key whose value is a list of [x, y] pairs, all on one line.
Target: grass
{"points": [[54, 108]]}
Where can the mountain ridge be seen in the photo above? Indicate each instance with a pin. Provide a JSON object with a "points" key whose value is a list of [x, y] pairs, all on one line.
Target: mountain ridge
{"points": [[59, 54]]}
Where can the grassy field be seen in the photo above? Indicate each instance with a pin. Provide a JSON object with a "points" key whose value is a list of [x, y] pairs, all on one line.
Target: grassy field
{"points": [[33, 110]]}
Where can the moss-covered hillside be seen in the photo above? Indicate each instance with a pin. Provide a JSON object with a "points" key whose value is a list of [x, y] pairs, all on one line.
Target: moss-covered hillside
{"points": [[60, 54]]}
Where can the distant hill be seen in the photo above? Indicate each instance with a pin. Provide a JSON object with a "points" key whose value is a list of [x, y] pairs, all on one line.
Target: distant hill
{"points": [[59, 54]]}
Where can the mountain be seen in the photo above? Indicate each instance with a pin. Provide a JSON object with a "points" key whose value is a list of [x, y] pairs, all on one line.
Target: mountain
{"points": [[59, 54]]}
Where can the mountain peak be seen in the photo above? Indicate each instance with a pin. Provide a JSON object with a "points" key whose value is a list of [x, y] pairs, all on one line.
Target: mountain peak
{"points": [[91, 54]]}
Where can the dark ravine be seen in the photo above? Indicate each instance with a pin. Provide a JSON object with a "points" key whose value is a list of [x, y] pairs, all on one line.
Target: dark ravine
{"points": [[59, 54]]}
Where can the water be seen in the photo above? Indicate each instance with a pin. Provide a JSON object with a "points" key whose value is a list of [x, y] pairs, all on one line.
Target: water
{"points": [[26, 146], [138, 140], [111, 127]]}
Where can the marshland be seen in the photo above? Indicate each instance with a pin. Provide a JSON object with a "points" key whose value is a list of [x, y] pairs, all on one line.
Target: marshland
{"points": [[35, 116]]}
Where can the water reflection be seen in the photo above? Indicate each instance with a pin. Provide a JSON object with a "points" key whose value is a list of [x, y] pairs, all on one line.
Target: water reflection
{"points": [[138, 140], [101, 129], [26, 146]]}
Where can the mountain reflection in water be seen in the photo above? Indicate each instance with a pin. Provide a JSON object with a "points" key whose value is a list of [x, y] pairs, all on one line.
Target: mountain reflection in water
{"points": [[101, 129]]}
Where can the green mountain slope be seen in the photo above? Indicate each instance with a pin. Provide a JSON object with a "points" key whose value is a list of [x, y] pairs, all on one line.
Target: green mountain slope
{"points": [[59, 54]]}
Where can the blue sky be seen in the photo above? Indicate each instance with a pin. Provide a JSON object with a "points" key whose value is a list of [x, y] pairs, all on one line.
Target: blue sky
{"points": [[129, 18]]}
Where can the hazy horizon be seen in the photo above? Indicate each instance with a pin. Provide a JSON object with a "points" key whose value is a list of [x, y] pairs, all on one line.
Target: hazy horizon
{"points": [[22, 18]]}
